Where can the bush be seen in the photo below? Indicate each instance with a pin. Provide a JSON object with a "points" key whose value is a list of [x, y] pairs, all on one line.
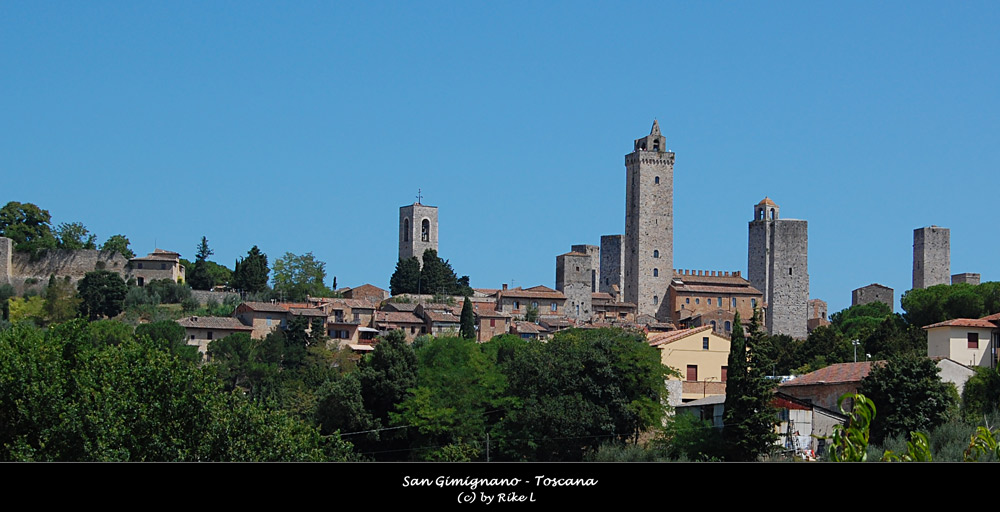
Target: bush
{"points": [[190, 304], [137, 297]]}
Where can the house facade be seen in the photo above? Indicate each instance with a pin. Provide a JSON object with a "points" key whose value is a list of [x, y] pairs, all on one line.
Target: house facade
{"points": [[700, 355]]}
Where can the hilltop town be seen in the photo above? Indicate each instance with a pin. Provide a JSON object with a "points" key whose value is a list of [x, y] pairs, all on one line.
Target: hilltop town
{"points": [[687, 319]]}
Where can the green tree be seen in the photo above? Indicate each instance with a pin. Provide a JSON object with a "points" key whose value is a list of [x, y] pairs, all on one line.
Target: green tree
{"points": [[437, 277], [908, 395], [981, 393], [171, 336], [406, 278], [199, 277], [250, 273], [28, 226], [583, 388], [61, 302], [748, 417], [103, 293], [24, 309], [6, 292], [119, 244], [74, 236], [468, 321], [300, 276]]}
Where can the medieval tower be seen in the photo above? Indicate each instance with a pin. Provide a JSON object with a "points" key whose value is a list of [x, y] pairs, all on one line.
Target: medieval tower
{"points": [[612, 259], [778, 266], [418, 230], [931, 256], [649, 224]]}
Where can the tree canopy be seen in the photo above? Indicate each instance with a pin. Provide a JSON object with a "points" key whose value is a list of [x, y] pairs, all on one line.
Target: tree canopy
{"points": [[119, 244], [28, 226], [251, 273], [300, 276], [908, 395], [434, 277], [74, 236], [103, 294], [748, 417]]}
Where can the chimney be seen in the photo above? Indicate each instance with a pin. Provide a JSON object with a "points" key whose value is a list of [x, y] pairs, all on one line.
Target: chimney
{"points": [[505, 286]]}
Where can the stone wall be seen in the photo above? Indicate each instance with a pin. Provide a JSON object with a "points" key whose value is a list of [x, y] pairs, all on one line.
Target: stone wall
{"points": [[965, 277], [594, 254], [22, 270], [789, 294], [203, 296], [931, 256], [612, 259]]}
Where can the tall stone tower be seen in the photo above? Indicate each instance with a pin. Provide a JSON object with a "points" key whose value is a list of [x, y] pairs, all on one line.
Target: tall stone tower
{"points": [[931, 256], [777, 265], [575, 278], [612, 259], [649, 224], [418, 230]]}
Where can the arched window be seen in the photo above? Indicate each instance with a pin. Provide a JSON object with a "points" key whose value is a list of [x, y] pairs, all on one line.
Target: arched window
{"points": [[729, 326], [656, 254], [406, 230], [713, 324], [772, 213], [753, 303], [656, 272], [656, 300], [656, 180], [425, 231]]}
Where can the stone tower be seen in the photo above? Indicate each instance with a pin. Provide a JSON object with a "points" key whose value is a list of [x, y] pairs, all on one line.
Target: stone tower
{"points": [[6, 251], [931, 256], [777, 265], [649, 224], [418, 230], [612, 259], [575, 278]]}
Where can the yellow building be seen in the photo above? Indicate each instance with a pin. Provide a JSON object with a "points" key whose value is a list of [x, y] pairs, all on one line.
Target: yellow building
{"points": [[968, 341], [700, 356]]}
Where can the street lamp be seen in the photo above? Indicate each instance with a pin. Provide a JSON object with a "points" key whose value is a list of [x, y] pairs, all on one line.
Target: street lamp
{"points": [[855, 343]]}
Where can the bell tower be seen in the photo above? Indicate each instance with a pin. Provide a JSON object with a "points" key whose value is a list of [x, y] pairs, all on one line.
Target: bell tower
{"points": [[418, 230], [649, 224]]}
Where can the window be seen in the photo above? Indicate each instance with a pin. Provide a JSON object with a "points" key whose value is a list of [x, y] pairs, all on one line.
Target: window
{"points": [[656, 272], [140, 264], [406, 230], [269, 321], [357, 317], [789, 270], [974, 340], [720, 302], [725, 370], [413, 330], [493, 322], [209, 334], [687, 300], [753, 303], [708, 301], [729, 326], [692, 372], [517, 305], [534, 305], [192, 337], [656, 254], [734, 302], [425, 231], [704, 343], [713, 324], [657, 180], [656, 300], [697, 301], [163, 266], [554, 307]]}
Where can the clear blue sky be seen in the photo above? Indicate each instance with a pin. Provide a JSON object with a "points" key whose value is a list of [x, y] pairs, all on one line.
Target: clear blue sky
{"points": [[301, 126]]}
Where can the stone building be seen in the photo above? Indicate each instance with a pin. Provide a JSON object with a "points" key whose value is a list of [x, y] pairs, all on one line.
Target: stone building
{"points": [[931, 256], [965, 277], [711, 297], [612, 277], [157, 265], [418, 230], [575, 279], [778, 266], [874, 293], [649, 224], [817, 315]]}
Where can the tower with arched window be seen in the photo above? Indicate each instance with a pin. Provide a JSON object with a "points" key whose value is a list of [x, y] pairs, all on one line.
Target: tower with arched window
{"points": [[649, 224], [418, 230], [778, 266]]}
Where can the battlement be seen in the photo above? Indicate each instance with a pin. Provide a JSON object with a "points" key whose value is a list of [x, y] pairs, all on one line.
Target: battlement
{"points": [[706, 273]]}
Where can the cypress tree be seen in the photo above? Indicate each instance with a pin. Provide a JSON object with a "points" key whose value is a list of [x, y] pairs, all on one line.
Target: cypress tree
{"points": [[749, 417], [468, 329]]}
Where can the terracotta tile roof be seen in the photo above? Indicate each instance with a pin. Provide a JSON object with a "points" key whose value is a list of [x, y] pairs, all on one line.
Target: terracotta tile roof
{"points": [[766, 201], [435, 316], [992, 318], [833, 374], [527, 328], [351, 303], [265, 306], [715, 289], [556, 323], [573, 253], [400, 306], [397, 317], [964, 322], [601, 296], [536, 292], [214, 322], [664, 338]]}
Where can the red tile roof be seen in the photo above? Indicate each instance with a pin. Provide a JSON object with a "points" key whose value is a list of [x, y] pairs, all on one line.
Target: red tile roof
{"points": [[214, 322], [992, 318], [535, 292], [964, 322], [397, 317], [663, 338], [834, 374]]}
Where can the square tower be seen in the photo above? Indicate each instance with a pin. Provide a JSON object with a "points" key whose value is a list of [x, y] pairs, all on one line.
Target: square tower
{"points": [[612, 259], [418, 230], [649, 224], [575, 278], [931, 256], [777, 265]]}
